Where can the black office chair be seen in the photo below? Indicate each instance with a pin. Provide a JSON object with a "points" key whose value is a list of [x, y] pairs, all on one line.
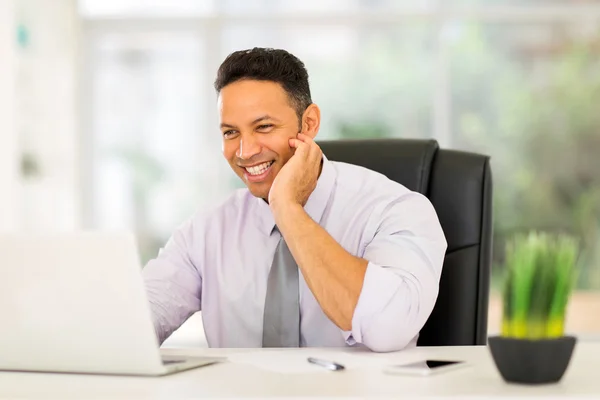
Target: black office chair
{"points": [[459, 185]]}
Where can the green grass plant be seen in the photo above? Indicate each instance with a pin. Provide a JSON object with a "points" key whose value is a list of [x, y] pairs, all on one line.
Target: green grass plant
{"points": [[540, 274]]}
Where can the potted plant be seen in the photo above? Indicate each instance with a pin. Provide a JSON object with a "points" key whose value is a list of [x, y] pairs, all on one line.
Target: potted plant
{"points": [[540, 273]]}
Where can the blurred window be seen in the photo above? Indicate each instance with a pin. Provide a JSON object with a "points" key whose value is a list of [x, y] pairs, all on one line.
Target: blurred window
{"points": [[517, 80]]}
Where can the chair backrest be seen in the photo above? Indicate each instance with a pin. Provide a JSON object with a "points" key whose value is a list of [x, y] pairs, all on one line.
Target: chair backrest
{"points": [[459, 185]]}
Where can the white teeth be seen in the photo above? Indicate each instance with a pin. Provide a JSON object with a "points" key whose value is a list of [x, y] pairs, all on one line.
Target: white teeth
{"points": [[259, 169]]}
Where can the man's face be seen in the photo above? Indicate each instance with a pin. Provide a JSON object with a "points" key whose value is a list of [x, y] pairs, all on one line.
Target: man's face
{"points": [[257, 121]]}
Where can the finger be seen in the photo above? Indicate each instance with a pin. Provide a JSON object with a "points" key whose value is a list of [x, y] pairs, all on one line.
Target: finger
{"points": [[304, 137], [308, 140], [301, 147], [315, 153]]}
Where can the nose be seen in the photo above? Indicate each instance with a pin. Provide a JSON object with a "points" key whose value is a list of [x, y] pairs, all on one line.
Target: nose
{"points": [[249, 146]]}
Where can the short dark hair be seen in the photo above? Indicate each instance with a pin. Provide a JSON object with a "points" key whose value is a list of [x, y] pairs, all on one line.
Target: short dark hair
{"points": [[266, 64]]}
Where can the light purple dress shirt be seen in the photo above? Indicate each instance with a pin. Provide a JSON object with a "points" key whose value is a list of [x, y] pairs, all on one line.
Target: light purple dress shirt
{"points": [[218, 262]]}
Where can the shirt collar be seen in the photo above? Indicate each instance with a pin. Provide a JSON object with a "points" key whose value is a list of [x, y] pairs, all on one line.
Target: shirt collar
{"points": [[315, 206]]}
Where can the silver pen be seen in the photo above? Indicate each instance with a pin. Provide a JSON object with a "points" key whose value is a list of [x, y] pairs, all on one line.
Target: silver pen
{"points": [[327, 364]]}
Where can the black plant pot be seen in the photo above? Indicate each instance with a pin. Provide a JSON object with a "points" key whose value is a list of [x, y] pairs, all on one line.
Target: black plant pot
{"points": [[532, 361]]}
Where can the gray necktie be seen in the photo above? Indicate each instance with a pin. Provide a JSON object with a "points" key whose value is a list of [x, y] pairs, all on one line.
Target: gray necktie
{"points": [[281, 325]]}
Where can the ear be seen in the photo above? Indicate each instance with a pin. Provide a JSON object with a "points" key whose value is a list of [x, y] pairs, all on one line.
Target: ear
{"points": [[311, 120]]}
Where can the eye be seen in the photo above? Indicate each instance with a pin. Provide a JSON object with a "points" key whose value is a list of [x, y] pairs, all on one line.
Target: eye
{"points": [[229, 134], [264, 127]]}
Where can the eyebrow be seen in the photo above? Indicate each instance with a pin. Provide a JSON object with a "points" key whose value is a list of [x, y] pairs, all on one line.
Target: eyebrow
{"points": [[257, 120]]}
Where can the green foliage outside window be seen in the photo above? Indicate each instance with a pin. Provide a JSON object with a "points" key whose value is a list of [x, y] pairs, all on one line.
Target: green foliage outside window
{"points": [[539, 121]]}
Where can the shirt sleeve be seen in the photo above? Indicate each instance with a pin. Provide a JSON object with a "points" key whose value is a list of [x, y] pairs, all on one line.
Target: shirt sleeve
{"points": [[173, 283], [401, 283]]}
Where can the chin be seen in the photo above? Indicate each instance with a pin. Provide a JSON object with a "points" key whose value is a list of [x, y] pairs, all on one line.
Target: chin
{"points": [[261, 193]]}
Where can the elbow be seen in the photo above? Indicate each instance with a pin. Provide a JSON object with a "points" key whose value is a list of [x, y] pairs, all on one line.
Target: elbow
{"points": [[398, 325], [386, 337], [388, 346], [394, 306]]}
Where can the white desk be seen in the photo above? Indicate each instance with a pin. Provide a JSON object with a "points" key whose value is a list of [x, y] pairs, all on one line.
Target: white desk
{"points": [[237, 380]]}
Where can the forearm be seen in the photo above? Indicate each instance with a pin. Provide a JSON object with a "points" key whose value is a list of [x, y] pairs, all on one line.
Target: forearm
{"points": [[172, 295], [172, 284], [334, 276]]}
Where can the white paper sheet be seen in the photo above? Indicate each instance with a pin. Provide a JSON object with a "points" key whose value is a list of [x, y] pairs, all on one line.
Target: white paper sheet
{"points": [[287, 362]]}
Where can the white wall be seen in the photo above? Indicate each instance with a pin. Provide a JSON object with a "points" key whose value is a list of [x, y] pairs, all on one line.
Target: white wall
{"points": [[8, 137], [47, 128], [38, 108]]}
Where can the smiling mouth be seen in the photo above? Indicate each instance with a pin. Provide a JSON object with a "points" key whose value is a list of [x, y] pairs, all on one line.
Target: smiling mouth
{"points": [[260, 169]]}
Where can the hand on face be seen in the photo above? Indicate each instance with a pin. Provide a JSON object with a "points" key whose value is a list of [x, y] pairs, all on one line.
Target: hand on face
{"points": [[297, 179]]}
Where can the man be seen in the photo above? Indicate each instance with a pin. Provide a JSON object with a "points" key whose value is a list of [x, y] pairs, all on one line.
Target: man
{"points": [[313, 252]]}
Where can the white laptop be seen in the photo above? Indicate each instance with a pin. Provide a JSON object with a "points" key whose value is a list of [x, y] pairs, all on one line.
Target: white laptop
{"points": [[76, 303]]}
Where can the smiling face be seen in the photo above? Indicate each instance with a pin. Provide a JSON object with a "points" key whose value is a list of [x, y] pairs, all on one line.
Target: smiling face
{"points": [[257, 121]]}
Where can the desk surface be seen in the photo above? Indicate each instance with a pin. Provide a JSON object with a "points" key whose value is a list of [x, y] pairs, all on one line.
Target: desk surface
{"points": [[240, 380]]}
